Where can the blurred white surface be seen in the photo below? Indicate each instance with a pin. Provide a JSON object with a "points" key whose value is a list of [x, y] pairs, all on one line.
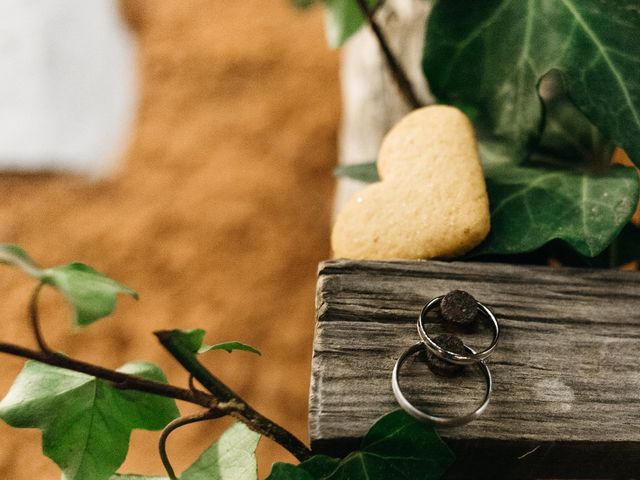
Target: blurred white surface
{"points": [[68, 85], [371, 101]]}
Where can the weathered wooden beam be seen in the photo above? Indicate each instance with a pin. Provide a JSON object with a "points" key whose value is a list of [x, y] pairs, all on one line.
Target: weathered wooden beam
{"points": [[566, 399]]}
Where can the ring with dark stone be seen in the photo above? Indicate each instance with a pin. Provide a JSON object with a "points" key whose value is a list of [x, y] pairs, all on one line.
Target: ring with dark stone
{"points": [[440, 366], [459, 307], [446, 354], [431, 418]]}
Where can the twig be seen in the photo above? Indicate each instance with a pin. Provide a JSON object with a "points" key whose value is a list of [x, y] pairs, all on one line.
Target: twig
{"points": [[233, 405], [177, 423], [397, 73], [198, 371], [231, 401], [35, 320], [192, 384], [121, 380], [222, 400]]}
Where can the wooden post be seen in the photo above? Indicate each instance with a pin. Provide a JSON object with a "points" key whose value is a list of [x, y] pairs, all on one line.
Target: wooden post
{"points": [[371, 101], [566, 399]]}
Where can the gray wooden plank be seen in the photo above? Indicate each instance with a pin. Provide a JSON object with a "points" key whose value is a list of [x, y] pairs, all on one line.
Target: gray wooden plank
{"points": [[566, 376]]}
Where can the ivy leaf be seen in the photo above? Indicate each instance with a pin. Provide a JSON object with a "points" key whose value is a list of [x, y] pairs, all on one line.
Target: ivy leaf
{"points": [[193, 340], [623, 250], [532, 206], [15, 256], [555, 198], [344, 18], [317, 467], [568, 138], [362, 172], [286, 471], [85, 422], [91, 294], [232, 457], [229, 347], [397, 446], [491, 55]]}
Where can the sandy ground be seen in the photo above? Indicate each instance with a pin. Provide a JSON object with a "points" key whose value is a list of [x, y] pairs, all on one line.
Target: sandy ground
{"points": [[218, 215]]}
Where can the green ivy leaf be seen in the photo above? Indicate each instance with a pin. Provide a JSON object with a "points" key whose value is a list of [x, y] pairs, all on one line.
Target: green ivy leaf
{"points": [[624, 249], [193, 340], [91, 294], [85, 422], [317, 467], [568, 138], [532, 206], [362, 172], [15, 256], [491, 55], [232, 457], [229, 347], [344, 18], [320, 466], [286, 471], [397, 446]]}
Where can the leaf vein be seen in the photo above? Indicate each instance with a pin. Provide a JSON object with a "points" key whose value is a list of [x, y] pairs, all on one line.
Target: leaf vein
{"points": [[603, 51]]}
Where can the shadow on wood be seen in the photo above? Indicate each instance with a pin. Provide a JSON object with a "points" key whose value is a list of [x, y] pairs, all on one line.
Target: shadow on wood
{"points": [[566, 399]]}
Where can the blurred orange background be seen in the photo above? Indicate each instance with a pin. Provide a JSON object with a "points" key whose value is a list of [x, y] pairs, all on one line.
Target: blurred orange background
{"points": [[217, 216]]}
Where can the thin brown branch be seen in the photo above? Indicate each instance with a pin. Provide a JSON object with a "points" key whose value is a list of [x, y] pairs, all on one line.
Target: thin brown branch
{"points": [[192, 384], [35, 320], [397, 72], [230, 401], [177, 423], [223, 399], [121, 380]]}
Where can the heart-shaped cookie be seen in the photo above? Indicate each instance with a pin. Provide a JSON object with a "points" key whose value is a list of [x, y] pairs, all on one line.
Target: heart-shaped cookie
{"points": [[432, 199]]}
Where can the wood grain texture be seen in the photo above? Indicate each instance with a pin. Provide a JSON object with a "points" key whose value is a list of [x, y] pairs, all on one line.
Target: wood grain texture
{"points": [[566, 373]]}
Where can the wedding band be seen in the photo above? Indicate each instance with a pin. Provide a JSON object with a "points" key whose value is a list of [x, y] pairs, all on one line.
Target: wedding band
{"points": [[448, 355], [428, 418]]}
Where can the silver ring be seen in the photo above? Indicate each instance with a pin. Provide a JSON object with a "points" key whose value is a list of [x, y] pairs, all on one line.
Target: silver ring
{"points": [[435, 419], [448, 355]]}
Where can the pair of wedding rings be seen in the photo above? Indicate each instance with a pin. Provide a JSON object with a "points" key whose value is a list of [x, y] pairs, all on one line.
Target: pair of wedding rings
{"points": [[464, 356]]}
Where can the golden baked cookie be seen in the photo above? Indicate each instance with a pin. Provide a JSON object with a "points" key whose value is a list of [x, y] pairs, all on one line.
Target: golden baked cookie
{"points": [[432, 199]]}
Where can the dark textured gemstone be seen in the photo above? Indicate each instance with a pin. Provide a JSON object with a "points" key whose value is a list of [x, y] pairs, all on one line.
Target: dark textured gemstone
{"points": [[438, 365], [459, 307]]}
